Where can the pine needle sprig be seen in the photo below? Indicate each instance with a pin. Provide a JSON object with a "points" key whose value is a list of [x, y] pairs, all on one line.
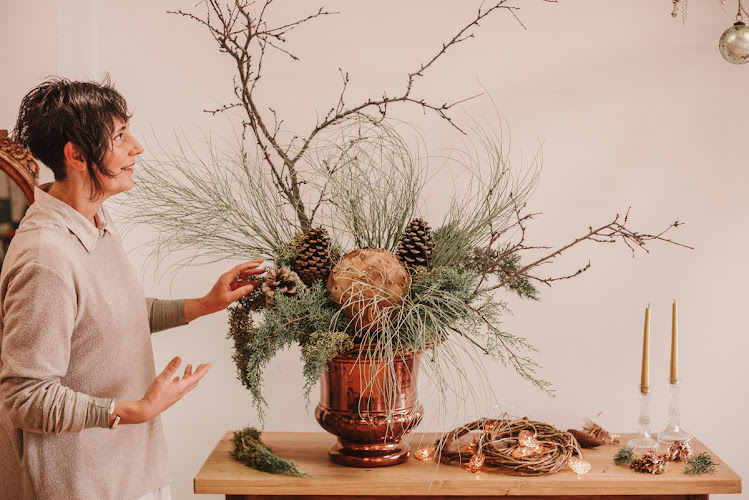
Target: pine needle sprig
{"points": [[486, 207], [371, 178], [248, 448], [700, 464], [625, 456], [205, 204]]}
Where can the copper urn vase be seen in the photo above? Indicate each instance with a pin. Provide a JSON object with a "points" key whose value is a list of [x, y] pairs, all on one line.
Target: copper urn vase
{"points": [[369, 408]]}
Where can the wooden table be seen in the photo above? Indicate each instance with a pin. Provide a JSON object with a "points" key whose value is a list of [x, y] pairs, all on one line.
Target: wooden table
{"points": [[423, 480]]}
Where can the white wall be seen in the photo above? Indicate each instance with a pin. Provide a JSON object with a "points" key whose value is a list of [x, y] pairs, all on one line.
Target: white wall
{"points": [[28, 35], [633, 109]]}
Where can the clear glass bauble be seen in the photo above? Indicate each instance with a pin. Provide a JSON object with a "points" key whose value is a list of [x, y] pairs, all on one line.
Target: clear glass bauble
{"points": [[734, 44]]}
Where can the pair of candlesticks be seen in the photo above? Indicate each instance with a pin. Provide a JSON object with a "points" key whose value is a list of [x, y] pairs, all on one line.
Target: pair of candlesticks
{"points": [[645, 442]]}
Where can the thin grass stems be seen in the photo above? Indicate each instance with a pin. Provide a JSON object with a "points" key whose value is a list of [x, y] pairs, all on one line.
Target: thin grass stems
{"points": [[208, 201], [372, 179], [494, 193]]}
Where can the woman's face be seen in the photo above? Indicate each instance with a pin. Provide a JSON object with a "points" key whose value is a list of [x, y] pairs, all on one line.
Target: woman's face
{"points": [[120, 160]]}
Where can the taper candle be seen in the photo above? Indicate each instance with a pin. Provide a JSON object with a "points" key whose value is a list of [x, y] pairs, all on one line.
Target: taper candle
{"points": [[674, 374], [645, 377]]}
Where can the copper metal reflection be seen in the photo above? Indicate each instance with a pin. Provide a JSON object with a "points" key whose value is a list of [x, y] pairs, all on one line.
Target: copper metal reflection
{"points": [[353, 402]]}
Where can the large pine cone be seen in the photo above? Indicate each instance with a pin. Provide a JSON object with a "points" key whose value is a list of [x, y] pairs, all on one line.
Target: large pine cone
{"points": [[313, 260], [584, 439], [366, 283], [278, 280], [416, 246]]}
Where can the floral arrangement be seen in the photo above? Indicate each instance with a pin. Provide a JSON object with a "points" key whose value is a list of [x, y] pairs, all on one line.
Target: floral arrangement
{"points": [[338, 211]]}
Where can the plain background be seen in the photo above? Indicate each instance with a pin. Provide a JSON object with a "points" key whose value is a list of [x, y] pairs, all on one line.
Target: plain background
{"points": [[632, 107]]}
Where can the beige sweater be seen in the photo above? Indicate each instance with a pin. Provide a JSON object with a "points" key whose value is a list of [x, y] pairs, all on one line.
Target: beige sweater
{"points": [[74, 323]]}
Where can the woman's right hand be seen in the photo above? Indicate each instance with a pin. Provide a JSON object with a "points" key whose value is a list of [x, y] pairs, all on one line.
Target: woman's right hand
{"points": [[164, 391]]}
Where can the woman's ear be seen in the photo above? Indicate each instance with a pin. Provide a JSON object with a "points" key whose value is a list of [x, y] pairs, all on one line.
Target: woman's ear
{"points": [[73, 157]]}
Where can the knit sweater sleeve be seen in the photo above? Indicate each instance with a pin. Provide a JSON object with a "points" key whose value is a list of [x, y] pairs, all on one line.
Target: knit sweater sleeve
{"points": [[39, 319], [165, 314]]}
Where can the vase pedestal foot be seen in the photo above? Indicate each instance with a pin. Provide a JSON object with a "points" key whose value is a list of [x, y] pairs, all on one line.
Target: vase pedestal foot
{"points": [[369, 455]]}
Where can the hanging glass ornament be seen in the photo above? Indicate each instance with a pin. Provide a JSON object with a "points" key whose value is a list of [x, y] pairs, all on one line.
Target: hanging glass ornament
{"points": [[734, 43]]}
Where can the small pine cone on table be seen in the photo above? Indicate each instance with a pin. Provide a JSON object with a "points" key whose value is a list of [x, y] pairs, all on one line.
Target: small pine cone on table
{"points": [[584, 439], [313, 260], [650, 463], [279, 279], [416, 246], [679, 451]]}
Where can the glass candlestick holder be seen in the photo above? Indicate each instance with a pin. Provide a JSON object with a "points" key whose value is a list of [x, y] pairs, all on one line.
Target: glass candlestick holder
{"points": [[673, 431], [644, 442]]}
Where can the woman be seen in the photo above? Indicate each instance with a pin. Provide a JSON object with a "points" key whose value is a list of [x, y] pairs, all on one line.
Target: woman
{"points": [[80, 396]]}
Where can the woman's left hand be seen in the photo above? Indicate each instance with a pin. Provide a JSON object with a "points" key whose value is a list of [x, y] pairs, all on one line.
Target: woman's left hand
{"points": [[231, 286]]}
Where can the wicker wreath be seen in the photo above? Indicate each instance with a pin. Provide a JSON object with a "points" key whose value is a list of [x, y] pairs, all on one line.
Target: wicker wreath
{"points": [[499, 441]]}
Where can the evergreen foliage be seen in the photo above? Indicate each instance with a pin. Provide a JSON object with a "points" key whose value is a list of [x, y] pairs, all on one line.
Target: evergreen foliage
{"points": [[625, 456], [505, 266], [369, 184], [310, 320], [248, 448], [699, 464], [321, 347]]}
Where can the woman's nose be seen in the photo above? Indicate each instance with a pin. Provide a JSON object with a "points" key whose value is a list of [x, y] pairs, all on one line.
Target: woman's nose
{"points": [[137, 148]]}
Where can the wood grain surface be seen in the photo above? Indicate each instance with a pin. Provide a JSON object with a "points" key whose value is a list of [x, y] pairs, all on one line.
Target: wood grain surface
{"points": [[223, 475]]}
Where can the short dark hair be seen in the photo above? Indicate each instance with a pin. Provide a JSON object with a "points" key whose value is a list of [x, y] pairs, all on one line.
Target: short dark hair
{"points": [[59, 111]]}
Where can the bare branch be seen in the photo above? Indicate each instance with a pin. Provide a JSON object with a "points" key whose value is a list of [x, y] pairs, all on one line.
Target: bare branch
{"points": [[471, 340], [609, 233], [246, 37], [226, 107], [548, 281]]}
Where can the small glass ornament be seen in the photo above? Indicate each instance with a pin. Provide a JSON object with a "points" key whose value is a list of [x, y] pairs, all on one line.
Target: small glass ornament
{"points": [[734, 43]]}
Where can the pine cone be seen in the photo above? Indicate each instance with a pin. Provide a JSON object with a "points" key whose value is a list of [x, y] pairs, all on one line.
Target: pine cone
{"points": [[599, 433], [650, 463], [279, 279], [313, 262], [416, 246], [679, 451], [584, 439]]}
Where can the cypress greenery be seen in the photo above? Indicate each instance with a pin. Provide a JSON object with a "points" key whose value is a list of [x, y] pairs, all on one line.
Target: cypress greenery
{"points": [[625, 456], [321, 347], [310, 320], [285, 254], [503, 265], [701, 464], [248, 448]]}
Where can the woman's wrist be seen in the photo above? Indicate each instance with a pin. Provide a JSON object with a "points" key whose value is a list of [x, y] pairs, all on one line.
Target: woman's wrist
{"points": [[130, 412], [195, 308]]}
